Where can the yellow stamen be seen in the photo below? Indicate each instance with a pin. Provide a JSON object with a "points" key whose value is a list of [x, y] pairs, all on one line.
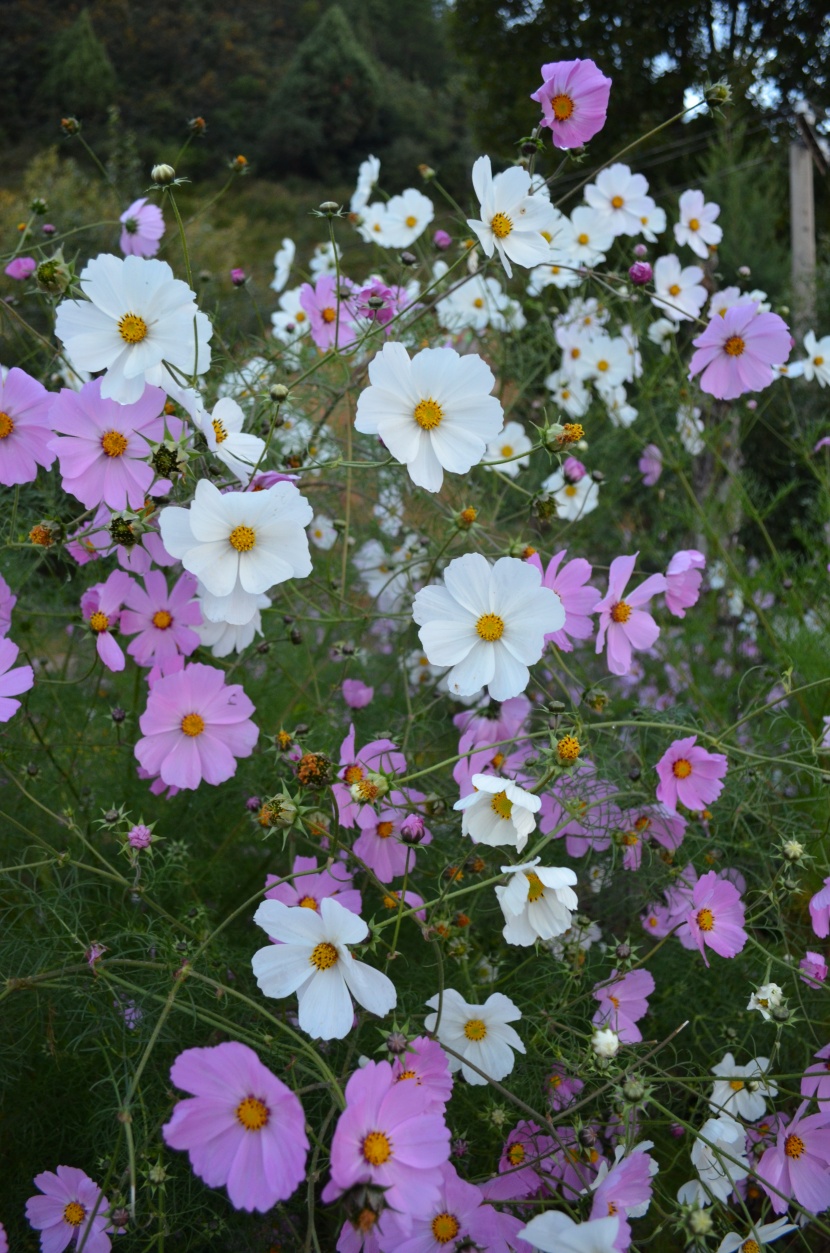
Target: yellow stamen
{"points": [[253, 1113], [162, 619], [132, 328], [99, 622], [490, 627], [193, 725], [376, 1148], [428, 414], [475, 1029], [563, 107], [501, 225], [74, 1214], [242, 538], [6, 426], [734, 346], [114, 444], [323, 956], [501, 805], [445, 1227], [620, 612]]}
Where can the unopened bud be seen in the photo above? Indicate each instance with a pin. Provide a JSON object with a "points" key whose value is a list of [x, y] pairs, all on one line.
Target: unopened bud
{"points": [[717, 93], [640, 273], [634, 1090], [39, 206], [700, 1223], [278, 392], [329, 208], [412, 829], [197, 126], [544, 507], [623, 951], [54, 276], [793, 851], [396, 1042], [163, 174], [70, 125], [408, 258]]}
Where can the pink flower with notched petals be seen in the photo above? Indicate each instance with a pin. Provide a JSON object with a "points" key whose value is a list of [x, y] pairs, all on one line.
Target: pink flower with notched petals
{"points": [[820, 911], [650, 465], [379, 844], [25, 429], [458, 1218], [736, 352], [64, 1213], [650, 822], [13, 682], [379, 757], [690, 775], [143, 228], [796, 1165], [574, 99], [356, 694], [623, 625], [716, 918], [623, 1002], [578, 598], [683, 579], [161, 619], [194, 727], [21, 268], [626, 1190], [308, 886], [816, 1079], [523, 1167], [331, 318], [7, 603], [101, 607], [242, 1127], [425, 1064], [103, 446], [813, 969]]}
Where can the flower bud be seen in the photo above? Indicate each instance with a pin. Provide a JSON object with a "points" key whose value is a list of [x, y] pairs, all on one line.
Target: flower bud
{"points": [[38, 206], [54, 276], [239, 165], [634, 1089], [70, 126], [408, 258], [412, 829], [197, 126], [278, 392], [717, 93], [426, 172], [396, 1042], [163, 174], [442, 240], [605, 1043], [640, 250], [793, 851], [640, 273], [329, 208], [238, 276], [700, 1223]]}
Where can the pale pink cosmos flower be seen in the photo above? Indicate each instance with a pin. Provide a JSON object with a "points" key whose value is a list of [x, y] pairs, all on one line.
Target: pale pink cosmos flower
{"points": [[717, 916], [524, 1165], [650, 822], [690, 775], [143, 228], [650, 465], [683, 579], [194, 728], [736, 352], [64, 1213], [816, 1079], [380, 845], [25, 429], [161, 619], [104, 447], [330, 319], [626, 1189], [101, 608], [578, 597], [307, 886], [12, 682], [796, 1165], [378, 757], [820, 911], [7, 603], [623, 625], [356, 694], [21, 268], [574, 99], [242, 1127], [623, 1002], [425, 1064], [813, 969], [459, 1218]]}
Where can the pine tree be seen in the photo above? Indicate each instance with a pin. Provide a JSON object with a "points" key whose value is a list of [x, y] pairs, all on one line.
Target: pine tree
{"points": [[80, 78]]}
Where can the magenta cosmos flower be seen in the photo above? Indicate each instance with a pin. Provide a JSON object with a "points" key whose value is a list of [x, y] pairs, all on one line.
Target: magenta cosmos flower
{"points": [[574, 99], [716, 919], [327, 320], [143, 228], [578, 598], [161, 620], [103, 447], [626, 1190], [308, 886], [21, 268], [356, 694], [690, 775], [459, 1218], [425, 1065], [12, 682], [820, 911], [796, 1165], [378, 757], [8, 600], [380, 845], [64, 1214], [623, 1003], [25, 429], [101, 607], [683, 579], [385, 1137], [242, 1128], [195, 726], [623, 625], [816, 1079], [736, 352]]}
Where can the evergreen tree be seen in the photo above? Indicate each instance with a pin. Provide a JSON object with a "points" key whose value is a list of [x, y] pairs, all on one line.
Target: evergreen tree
{"points": [[80, 77]]}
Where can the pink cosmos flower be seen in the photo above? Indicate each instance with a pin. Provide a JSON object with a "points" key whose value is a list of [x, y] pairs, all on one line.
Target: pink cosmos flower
{"points": [[425, 1065], [12, 682], [378, 757], [578, 600], [25, 429], [561, 1088], [816, 1079], [321, 304], [690, 775], [579, 807], [716, 919], [574, 99], [736, 352], [356, 694], [160, 619], [573, 469], [375, 290], [64, 1214], [21, 268], [242, 1127], [103, 447], [385, 1137], [626, 1190], [194, 727], [4, 1240], [796, 1165], [458, 1218], [683, 579], [143, 228], [813, 969], [650, 465], [623, 1003], [622, 623], [820, 911], [486, 735], [308, 886], [379, 844], [7, 603], [524, 1164], [651, 822], [101, 607]]}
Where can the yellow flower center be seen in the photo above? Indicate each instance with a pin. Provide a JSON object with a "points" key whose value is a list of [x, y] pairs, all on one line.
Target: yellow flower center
{"points": [[411, 221], [99, 622], [734, 346], [750, 1246], [475, 1029], [114, 443], [562, 107], [694, 225], [242, 538], [353, 774], [328, 314], [794, 1146], [376, 1148], [516, 1154], [568, 748], [681, 769], [162, 619], [507, 450], [193, 725], [630, 840], [674, 290], [74, 1214], [478, 303], [406, 1074], [620, 612], [490, 627], [323, 956], [816, 361], [308, 902], [536, 888], [617, 202], [501, 805], [384, 829], [501, 225], [6, 426], [737, 1085], [570, 489], [445, 1227], [428, 414], [299, 317], [219, 431], [603, 366], [367, 790], [705, 919], [253, 1113], [583, 239], [132, 328]]}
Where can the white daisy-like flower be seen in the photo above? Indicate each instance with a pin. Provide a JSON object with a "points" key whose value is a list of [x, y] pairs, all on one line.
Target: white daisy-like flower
{"points": [[660, 333], [740, 1090], [620, 412], [635, 361], [290, 322], [568, 393], [238, 544], [697, 226], [223, 638], [652, 223], [240, 452], [591, 237], [620, 198], [323, 260], [283, 261], [511, 218], [473, 305], [487, 622], [768, 996], [313, 960], [816, 365], [434, 412], [587, 314], [758, 1238], [512, 441], [478, 1032], [719, 1172], [573, 500], [555, 1232], [605, 1043], [373, 225], [558, 271], [574, 340], [537, 902], [322, 532], [678, 289], [407, 216], [137, 319], [690, 429], [606, 360], [367, 176], [498, 813]]}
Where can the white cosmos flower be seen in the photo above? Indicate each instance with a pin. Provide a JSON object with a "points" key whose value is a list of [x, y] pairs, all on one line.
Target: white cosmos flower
{"points": [[558, 271], [677, 289], [620, 412], [620, 198], [498, 812], [434, 412], [373, 226], [283, 261], [136, 318], [222, 429], [741, 1089], [555, 1232], [512, 441], [313, 961], [816, 365], [605, 1043], [322, 532], [573, 500], [652, 223], [223, 638], [660, 333], [487, 622], [591, 237], [606, 360], [697, 226], [760, 1236], [476, 304], [574, 341], [238, 544], [323, 259], [568, 393], [478, 1032], [768, 996], [407, 216], [536, 902], [367, 176], [511, 218], [717, 1138], [290, 322], [690, 429]]}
